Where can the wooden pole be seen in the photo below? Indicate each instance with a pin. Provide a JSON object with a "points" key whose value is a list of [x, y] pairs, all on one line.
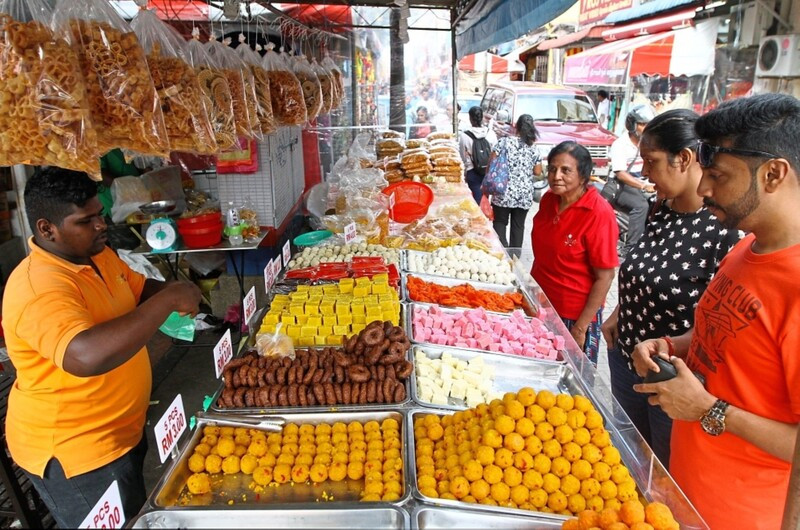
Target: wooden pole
{"points": [[791, 514]]}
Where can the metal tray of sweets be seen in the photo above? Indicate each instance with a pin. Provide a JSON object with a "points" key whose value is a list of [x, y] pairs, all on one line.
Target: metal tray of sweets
{"points": [[438, 518], [303, 516], [409, 327], [529, 307], [421, 253], [511, 373], [234, 491]]}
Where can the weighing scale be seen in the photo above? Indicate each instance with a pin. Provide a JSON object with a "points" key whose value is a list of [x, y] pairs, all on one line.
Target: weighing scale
{"points": [[162, 234]]}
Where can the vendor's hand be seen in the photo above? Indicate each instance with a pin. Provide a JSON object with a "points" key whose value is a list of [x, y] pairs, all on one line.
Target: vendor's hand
{"points": [[610, 331], [643, 352], [185, 297], [579, 334], [682, 398]]}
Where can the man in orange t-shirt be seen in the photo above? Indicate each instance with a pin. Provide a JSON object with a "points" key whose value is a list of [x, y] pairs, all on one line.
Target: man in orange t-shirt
{"points": [[733, 438], [76, 320]]}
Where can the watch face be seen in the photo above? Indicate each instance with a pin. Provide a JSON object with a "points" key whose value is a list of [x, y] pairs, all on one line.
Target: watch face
{"points": [[712, 425]]}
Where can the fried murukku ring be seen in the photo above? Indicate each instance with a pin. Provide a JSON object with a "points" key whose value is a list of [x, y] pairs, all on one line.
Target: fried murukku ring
{"points": [[358, 373], [396, 334], [403, 369], [373, 336]]}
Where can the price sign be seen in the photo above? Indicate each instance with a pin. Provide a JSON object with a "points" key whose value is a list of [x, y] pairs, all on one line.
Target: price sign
{"points": [[223, 352], [171, 425], [276, 268], [269, 277], [108, 512], [350, 233], [391, 201], [249, 305], [287, 253]]}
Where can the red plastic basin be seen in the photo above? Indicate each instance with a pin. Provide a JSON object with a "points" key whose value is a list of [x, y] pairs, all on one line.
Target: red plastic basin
{"points": [[206, 220], [204, 236]]}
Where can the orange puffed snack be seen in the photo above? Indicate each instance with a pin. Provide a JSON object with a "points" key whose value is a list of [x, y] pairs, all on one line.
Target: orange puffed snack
{"points": [[462, 296], [631, 515]]}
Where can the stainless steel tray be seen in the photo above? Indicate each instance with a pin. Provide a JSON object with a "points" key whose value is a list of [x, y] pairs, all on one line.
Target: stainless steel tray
{"points": [[167, 492], [307, 516], [529, 307], [511, 373], [438, 518], [409, 327], [406, 268]]}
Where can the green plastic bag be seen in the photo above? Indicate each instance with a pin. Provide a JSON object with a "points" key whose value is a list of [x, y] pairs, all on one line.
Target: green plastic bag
{"points": [[179, 327]]}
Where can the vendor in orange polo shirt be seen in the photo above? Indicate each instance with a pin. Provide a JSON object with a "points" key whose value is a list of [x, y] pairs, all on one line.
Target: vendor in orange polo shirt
{"points": [[76, 321]]}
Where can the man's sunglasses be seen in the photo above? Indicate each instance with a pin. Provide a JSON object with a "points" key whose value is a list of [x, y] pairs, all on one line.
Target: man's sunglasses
{"points": [[707, 151]]}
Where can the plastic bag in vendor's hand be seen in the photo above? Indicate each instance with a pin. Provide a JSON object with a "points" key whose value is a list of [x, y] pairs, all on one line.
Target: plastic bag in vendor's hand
{"points": [[312, 89], [125, 107], [216, 90], [240, 81], [182, 101], [261, 85], [288, 103], [44, 108], [179, 327]]}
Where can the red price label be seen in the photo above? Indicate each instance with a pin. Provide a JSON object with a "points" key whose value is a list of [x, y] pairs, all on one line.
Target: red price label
{"points": [[170, 427], [249, 304], [108, 512], [223, 352], [350, 233], [287, 254]]}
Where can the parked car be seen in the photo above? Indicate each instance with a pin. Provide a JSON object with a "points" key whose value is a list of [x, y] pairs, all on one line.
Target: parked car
{"points": [[560, 113]]}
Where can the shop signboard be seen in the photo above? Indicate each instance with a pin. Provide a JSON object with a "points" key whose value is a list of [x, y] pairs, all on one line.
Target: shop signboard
{"points": [[594, 10], [606, 69], [108, 512]]}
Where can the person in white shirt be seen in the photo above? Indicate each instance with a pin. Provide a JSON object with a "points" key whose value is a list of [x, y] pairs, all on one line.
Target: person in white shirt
{"points": [[474, 177], [603, 108], [626, 164]]}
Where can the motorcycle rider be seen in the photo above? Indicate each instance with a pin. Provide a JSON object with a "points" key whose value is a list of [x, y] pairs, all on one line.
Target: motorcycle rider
{"points": [[626, 164]]}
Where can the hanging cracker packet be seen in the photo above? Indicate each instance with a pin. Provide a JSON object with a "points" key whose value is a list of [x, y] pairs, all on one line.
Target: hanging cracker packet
{"points": [[182, 101], [261, 84], [326, 84], [338, 81], [216, 92], [240, 80], [309, 82], [125, 108], [44, 108], [288, 102]]}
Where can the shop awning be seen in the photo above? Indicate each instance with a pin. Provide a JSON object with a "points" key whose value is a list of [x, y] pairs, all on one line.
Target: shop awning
{"points": [[491, 22], [648, 9], [651, 26], [491, 63], [565, 40], [687, 51]]}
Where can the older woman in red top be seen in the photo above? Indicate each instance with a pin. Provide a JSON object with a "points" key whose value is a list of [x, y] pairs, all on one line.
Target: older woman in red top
{"points": [[575, 245]]}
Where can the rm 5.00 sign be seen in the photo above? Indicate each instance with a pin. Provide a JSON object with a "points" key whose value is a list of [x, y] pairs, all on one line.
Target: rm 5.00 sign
{"points": [[108, 512]]}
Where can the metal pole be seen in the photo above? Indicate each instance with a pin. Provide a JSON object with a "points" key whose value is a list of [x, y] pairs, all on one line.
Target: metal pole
{"points": [[397, 75], [791, 514], [454, 74]]}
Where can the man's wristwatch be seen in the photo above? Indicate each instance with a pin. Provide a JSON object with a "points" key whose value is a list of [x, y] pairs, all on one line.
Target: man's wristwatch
{"points": [[713, 421]]}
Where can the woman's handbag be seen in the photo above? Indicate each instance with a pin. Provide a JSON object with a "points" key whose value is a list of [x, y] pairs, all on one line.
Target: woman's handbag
{"points": [[611, 190], [496, 180]]}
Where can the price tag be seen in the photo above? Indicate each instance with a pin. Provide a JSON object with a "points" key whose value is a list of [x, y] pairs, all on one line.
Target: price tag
{"points": [[350, 233], [108, 512], [287, 253], [269, 277], [391, 201], [223, 352], [276, 268], [249, 305], [171, 425]]}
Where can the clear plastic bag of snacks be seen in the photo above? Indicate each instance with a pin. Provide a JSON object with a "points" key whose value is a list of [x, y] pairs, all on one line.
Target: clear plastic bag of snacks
{"points": [[240, 81], [312, 89], [182, 102], [124, 104], [288, 103], [261, 85], [326, 84], [216, 92], [338, 81], [44, 108]]}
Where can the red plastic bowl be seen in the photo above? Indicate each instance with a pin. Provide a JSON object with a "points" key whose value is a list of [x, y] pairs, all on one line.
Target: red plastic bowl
{"points": [[204, 236], [206, 220], [411, 201]]}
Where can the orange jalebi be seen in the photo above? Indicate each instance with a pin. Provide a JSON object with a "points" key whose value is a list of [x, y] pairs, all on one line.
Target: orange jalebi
{"points": [[463, 295]]}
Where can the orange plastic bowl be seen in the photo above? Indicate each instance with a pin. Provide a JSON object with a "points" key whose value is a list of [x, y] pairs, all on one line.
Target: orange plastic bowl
{"points": [[411, 201]]}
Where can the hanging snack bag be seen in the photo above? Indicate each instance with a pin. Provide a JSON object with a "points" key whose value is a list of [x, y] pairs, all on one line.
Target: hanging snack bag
{"points": [[240, 81], [216, 92], [261, 85], [338, 81], [326, 84], [182, 101], [44, 108], [126, 111], [309, 82], [288, 102]]}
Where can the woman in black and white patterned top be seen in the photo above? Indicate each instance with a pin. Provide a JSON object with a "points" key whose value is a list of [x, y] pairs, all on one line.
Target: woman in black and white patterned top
{"points": [[666, 273]]}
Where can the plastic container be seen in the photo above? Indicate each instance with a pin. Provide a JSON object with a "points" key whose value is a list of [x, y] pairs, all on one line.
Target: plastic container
{"points": [[200, 221], [203, 236], [411, 201], [310, 239]]}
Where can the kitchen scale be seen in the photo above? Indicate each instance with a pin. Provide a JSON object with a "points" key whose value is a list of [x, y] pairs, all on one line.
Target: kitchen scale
{"points": [[162, 233]]}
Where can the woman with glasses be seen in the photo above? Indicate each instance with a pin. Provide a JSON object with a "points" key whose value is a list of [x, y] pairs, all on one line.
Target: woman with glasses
{"points": [[668, 270], [574, 242]]}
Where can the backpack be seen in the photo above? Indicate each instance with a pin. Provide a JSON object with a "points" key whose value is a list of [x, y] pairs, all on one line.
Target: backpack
{"points": [[481, 151]]}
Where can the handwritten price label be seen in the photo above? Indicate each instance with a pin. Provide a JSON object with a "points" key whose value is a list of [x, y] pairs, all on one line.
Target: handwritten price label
{"points": [[223, 352], [350, 233], [170, 427], [287, 253], [269, 277], [108, 512], [276, 268], [249, 305]]}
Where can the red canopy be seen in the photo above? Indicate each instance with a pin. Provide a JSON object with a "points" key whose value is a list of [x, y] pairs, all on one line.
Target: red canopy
{"points": [[321, 15]]}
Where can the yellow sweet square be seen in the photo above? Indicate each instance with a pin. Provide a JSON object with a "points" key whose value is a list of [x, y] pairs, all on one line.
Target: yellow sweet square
{"points": [[381, 278], [325, 330], [342, 309], [308, 331], [316, 289], [374, 313], [330, 288], [314, 320], [345, 320], [306, 341], [363, 280], [361, 290], [335, 340], [321, 340], [287, 319], [272, 318], [268, 328], [327, 308], [360, 320], [387, 305], [329, 320], [303, 288], [372, 299], [297, 309], [341, 330], [380, 288], [389, 315], [301, 319], [346, 285], [312, 308], [358, 328], [293, 331]]}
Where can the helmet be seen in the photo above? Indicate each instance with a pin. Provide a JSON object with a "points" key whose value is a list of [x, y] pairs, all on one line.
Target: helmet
{"points": [[638, 114]]}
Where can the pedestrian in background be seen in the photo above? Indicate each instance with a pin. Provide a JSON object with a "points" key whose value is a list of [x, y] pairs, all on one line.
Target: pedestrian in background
{"points": [[474, 175]]}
